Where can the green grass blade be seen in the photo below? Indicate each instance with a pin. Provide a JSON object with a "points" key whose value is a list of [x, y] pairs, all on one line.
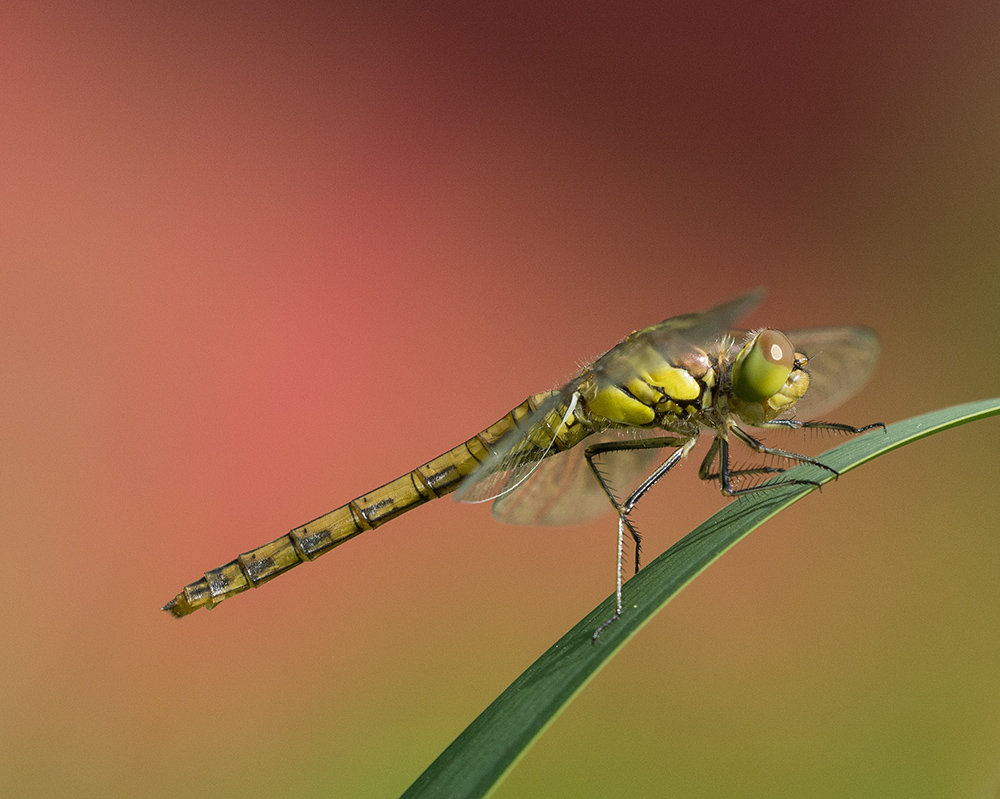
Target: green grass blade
{"points": [[477, 760]]}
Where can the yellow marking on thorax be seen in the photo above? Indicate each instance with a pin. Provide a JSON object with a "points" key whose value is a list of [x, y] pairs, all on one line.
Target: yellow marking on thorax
{"points": [[656, 386], [676, 383], [617, 406]]}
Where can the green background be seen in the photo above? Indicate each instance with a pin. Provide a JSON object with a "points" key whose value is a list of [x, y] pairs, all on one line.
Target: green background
{"points": [[256, 260]]}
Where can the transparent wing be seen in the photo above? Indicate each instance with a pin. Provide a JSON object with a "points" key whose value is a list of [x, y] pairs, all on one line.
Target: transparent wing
{"points": [[564, 490], [519, 452], [675, 335], [842, 360]]}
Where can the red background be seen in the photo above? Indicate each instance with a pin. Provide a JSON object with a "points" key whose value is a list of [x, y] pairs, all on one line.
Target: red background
{"points": [[257, 259]]}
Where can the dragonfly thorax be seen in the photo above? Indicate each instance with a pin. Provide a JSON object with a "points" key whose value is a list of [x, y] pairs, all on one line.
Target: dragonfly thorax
{"points": [[637, 386]]}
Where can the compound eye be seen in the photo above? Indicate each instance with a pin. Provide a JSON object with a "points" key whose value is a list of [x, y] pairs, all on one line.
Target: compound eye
{"points": [[763, 366]]}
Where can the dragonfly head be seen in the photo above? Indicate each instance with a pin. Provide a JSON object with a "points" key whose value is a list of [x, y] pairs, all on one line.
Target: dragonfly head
{"points": [[768, 377]]}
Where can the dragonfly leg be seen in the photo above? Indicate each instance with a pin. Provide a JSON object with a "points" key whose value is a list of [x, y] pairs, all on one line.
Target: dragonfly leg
{"points": [[794, 424], [725, 474], [625, 508], [618, 587], [758, 446], [705, 470]]}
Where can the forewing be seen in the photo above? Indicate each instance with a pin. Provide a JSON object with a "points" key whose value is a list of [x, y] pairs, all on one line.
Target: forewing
{"points": [[841, 361], [675, 336]]}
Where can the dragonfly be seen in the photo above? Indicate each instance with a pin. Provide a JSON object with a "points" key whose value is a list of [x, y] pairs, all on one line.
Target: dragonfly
{"points": [[561, 456]]}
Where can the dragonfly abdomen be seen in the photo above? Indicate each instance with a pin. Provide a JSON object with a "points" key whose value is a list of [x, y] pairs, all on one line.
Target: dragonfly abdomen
{"points": [[434, 479]]}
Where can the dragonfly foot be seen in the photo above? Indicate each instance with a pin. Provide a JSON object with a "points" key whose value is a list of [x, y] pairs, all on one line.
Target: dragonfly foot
{"points": [[604, 626]]}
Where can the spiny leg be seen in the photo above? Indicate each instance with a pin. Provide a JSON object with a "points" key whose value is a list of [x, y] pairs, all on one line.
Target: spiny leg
{"points": [[618, 582], [720, 448], [794, 424], [705, 470], [725, 475], [623, 509], [758, 446], [685, 447]]}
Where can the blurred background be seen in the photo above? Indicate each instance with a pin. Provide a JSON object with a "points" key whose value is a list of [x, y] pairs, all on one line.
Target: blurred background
{"points": [[257, 259]]}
